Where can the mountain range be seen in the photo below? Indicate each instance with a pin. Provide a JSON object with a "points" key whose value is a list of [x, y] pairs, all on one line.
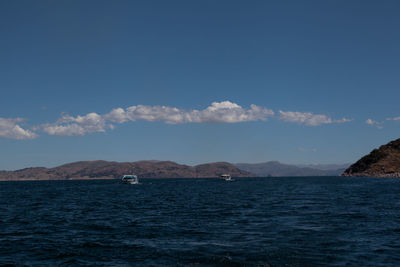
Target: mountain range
{"points": [[381, 162], [100, 169], [275, 168], [108, 170]]}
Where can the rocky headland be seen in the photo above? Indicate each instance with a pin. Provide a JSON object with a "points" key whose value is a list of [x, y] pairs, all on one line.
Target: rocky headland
{"points": [[381, 162]]}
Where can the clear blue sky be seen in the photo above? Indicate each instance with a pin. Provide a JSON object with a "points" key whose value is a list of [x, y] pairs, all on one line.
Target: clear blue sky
{"points": [[302, 78]]}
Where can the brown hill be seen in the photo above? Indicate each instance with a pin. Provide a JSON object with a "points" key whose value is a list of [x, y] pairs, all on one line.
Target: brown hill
{"points": [[382, 162], [108, 170]]}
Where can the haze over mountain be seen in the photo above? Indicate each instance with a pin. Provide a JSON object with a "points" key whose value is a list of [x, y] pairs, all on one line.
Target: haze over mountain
{"points": [[108, 170], [275, 168], [325, 167], [381, 162]]}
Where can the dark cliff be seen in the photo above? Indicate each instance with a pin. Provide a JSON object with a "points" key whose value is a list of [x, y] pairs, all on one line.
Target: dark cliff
{"points": [[381, 162]]}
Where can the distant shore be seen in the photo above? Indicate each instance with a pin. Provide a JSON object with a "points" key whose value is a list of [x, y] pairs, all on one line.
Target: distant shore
{"points": [[46, 179], [100, 169]]}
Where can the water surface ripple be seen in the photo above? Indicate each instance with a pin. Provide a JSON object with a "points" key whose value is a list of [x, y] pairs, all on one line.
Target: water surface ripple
{"points": [[310, 221]]}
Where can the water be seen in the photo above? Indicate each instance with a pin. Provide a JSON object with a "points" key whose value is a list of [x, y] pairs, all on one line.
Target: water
{"points": [[328, 221]]}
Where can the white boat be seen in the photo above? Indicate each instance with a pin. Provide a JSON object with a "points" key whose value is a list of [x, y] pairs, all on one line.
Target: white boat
{"points": [[226, 177], [130, 179]]}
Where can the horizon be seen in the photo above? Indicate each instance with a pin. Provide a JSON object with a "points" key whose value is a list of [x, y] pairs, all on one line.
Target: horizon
{"points": [[193, 82], [316, 166]]}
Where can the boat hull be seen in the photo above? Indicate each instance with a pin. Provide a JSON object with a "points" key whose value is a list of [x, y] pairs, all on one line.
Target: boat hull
{"points": [[130, 181]]}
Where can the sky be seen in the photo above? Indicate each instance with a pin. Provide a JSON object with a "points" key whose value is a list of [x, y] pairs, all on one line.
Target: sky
{"points": [[301, 82]]}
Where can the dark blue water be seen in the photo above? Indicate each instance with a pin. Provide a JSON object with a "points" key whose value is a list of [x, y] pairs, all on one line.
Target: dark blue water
{"points": [[327, 221]]}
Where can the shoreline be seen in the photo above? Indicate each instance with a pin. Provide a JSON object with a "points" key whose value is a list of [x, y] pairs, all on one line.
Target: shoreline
{"points": [[108, 178], [69, 179]]}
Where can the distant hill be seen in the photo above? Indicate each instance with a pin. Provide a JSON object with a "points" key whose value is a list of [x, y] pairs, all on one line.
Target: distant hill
{"points": [[381, 162], [106, 169], [325, 167], [275, 168]]}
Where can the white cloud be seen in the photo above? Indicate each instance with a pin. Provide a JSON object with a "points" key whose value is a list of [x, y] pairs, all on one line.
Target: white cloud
{"points": [[223, 112], [80, 125], [374, 123], [308, 118], [231, 113], [9, 128], [371, 122], [219, 112], [393, 119]]}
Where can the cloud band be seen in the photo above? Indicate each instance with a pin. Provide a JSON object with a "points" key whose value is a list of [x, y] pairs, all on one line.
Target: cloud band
{"points": [[217, 112]]}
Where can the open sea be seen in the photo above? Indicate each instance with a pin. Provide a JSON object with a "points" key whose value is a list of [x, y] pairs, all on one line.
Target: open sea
{"points": [[309, 221]]}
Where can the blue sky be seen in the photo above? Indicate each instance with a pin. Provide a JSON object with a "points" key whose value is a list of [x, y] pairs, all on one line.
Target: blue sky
{"points": [[197, 81]]}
